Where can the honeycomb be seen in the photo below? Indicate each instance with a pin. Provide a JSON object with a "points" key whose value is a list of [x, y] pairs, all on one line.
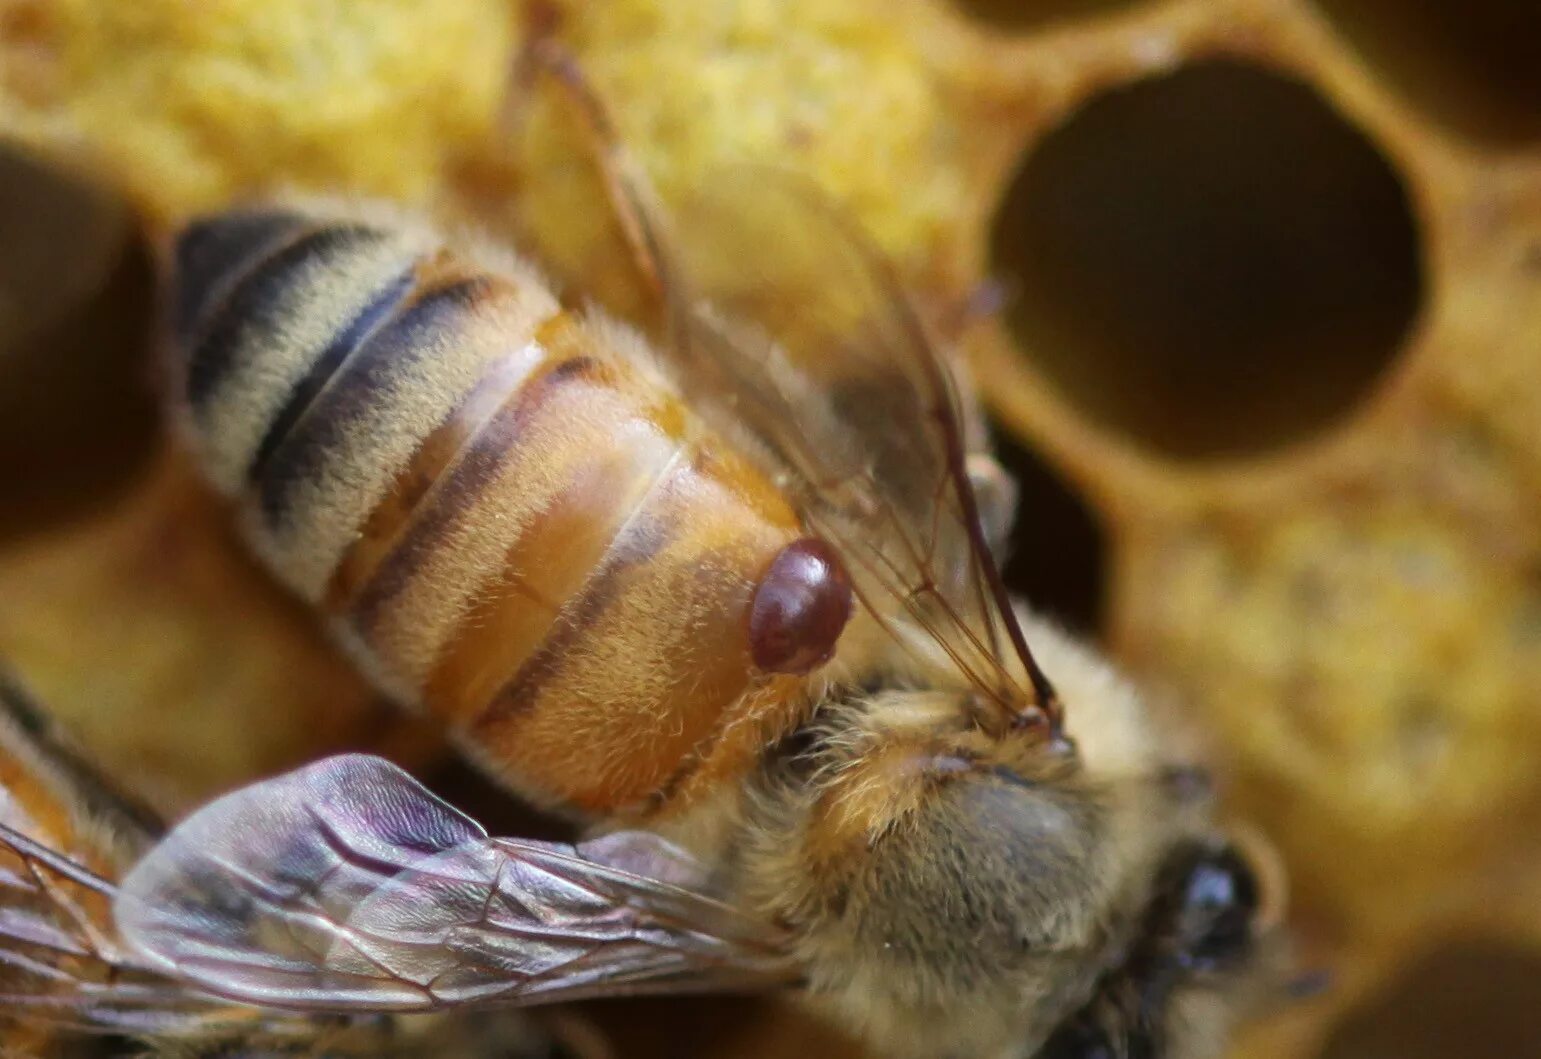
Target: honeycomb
{"points": [[1266, 363]]}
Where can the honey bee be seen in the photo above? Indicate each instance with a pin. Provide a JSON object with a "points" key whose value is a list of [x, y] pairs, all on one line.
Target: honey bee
{"points": [[727, 598], [70, 985]]}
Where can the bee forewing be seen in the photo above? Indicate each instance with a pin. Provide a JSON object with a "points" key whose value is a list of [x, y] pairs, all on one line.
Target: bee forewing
{"points": [[249, 894], [348, 886], [819, 353], [54, 969], [61, 827]]}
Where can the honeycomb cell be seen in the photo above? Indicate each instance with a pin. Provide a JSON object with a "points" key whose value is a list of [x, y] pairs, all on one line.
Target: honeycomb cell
{"points": [[1474, 1000], [76, 414], [1474, 67], [58, 240], [1211, 263], [188, 106]]}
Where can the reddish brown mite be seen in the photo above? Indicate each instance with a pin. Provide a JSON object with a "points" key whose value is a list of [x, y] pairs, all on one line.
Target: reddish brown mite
{"points": [[800, 608]]}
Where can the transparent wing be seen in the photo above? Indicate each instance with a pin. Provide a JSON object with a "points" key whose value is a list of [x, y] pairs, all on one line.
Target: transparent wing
{"points": [[348, 886], [790, 321], [60, 964], [60, 961], [786, 323]]}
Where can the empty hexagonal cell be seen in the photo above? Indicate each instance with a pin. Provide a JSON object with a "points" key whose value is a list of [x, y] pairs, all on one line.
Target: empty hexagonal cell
{"points": [[1016, 15], [58, 240], [76, 301], [1474, 1000], [1211, 263], [1473, 66]]}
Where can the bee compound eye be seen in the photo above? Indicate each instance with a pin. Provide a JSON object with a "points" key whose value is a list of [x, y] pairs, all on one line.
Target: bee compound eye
{"points": [[1220, 902], [799, 609]]}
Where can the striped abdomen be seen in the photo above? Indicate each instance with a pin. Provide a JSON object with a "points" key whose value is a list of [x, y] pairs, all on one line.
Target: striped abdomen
{"points": [[508, 512]]}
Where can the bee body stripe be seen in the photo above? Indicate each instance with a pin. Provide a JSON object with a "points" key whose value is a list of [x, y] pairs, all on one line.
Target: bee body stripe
{"points": [[509, 514]]}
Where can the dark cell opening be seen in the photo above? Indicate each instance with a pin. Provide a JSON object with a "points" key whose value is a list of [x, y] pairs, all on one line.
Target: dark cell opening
{"points": [[76, 302], [1475, 1000], [1022, 15], [1475, 66], [1212, 263], [1056, 557]]}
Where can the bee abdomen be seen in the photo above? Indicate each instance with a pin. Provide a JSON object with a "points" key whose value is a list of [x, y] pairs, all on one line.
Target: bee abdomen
{"points": [[211, 255], [316, 355], [378, 311], [241, 298], [395, 340], [508, 512]]}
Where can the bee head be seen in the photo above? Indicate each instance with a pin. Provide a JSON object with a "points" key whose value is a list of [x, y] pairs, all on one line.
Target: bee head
{"points": [[960, 892], [947, 886], [1207, 935]]}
